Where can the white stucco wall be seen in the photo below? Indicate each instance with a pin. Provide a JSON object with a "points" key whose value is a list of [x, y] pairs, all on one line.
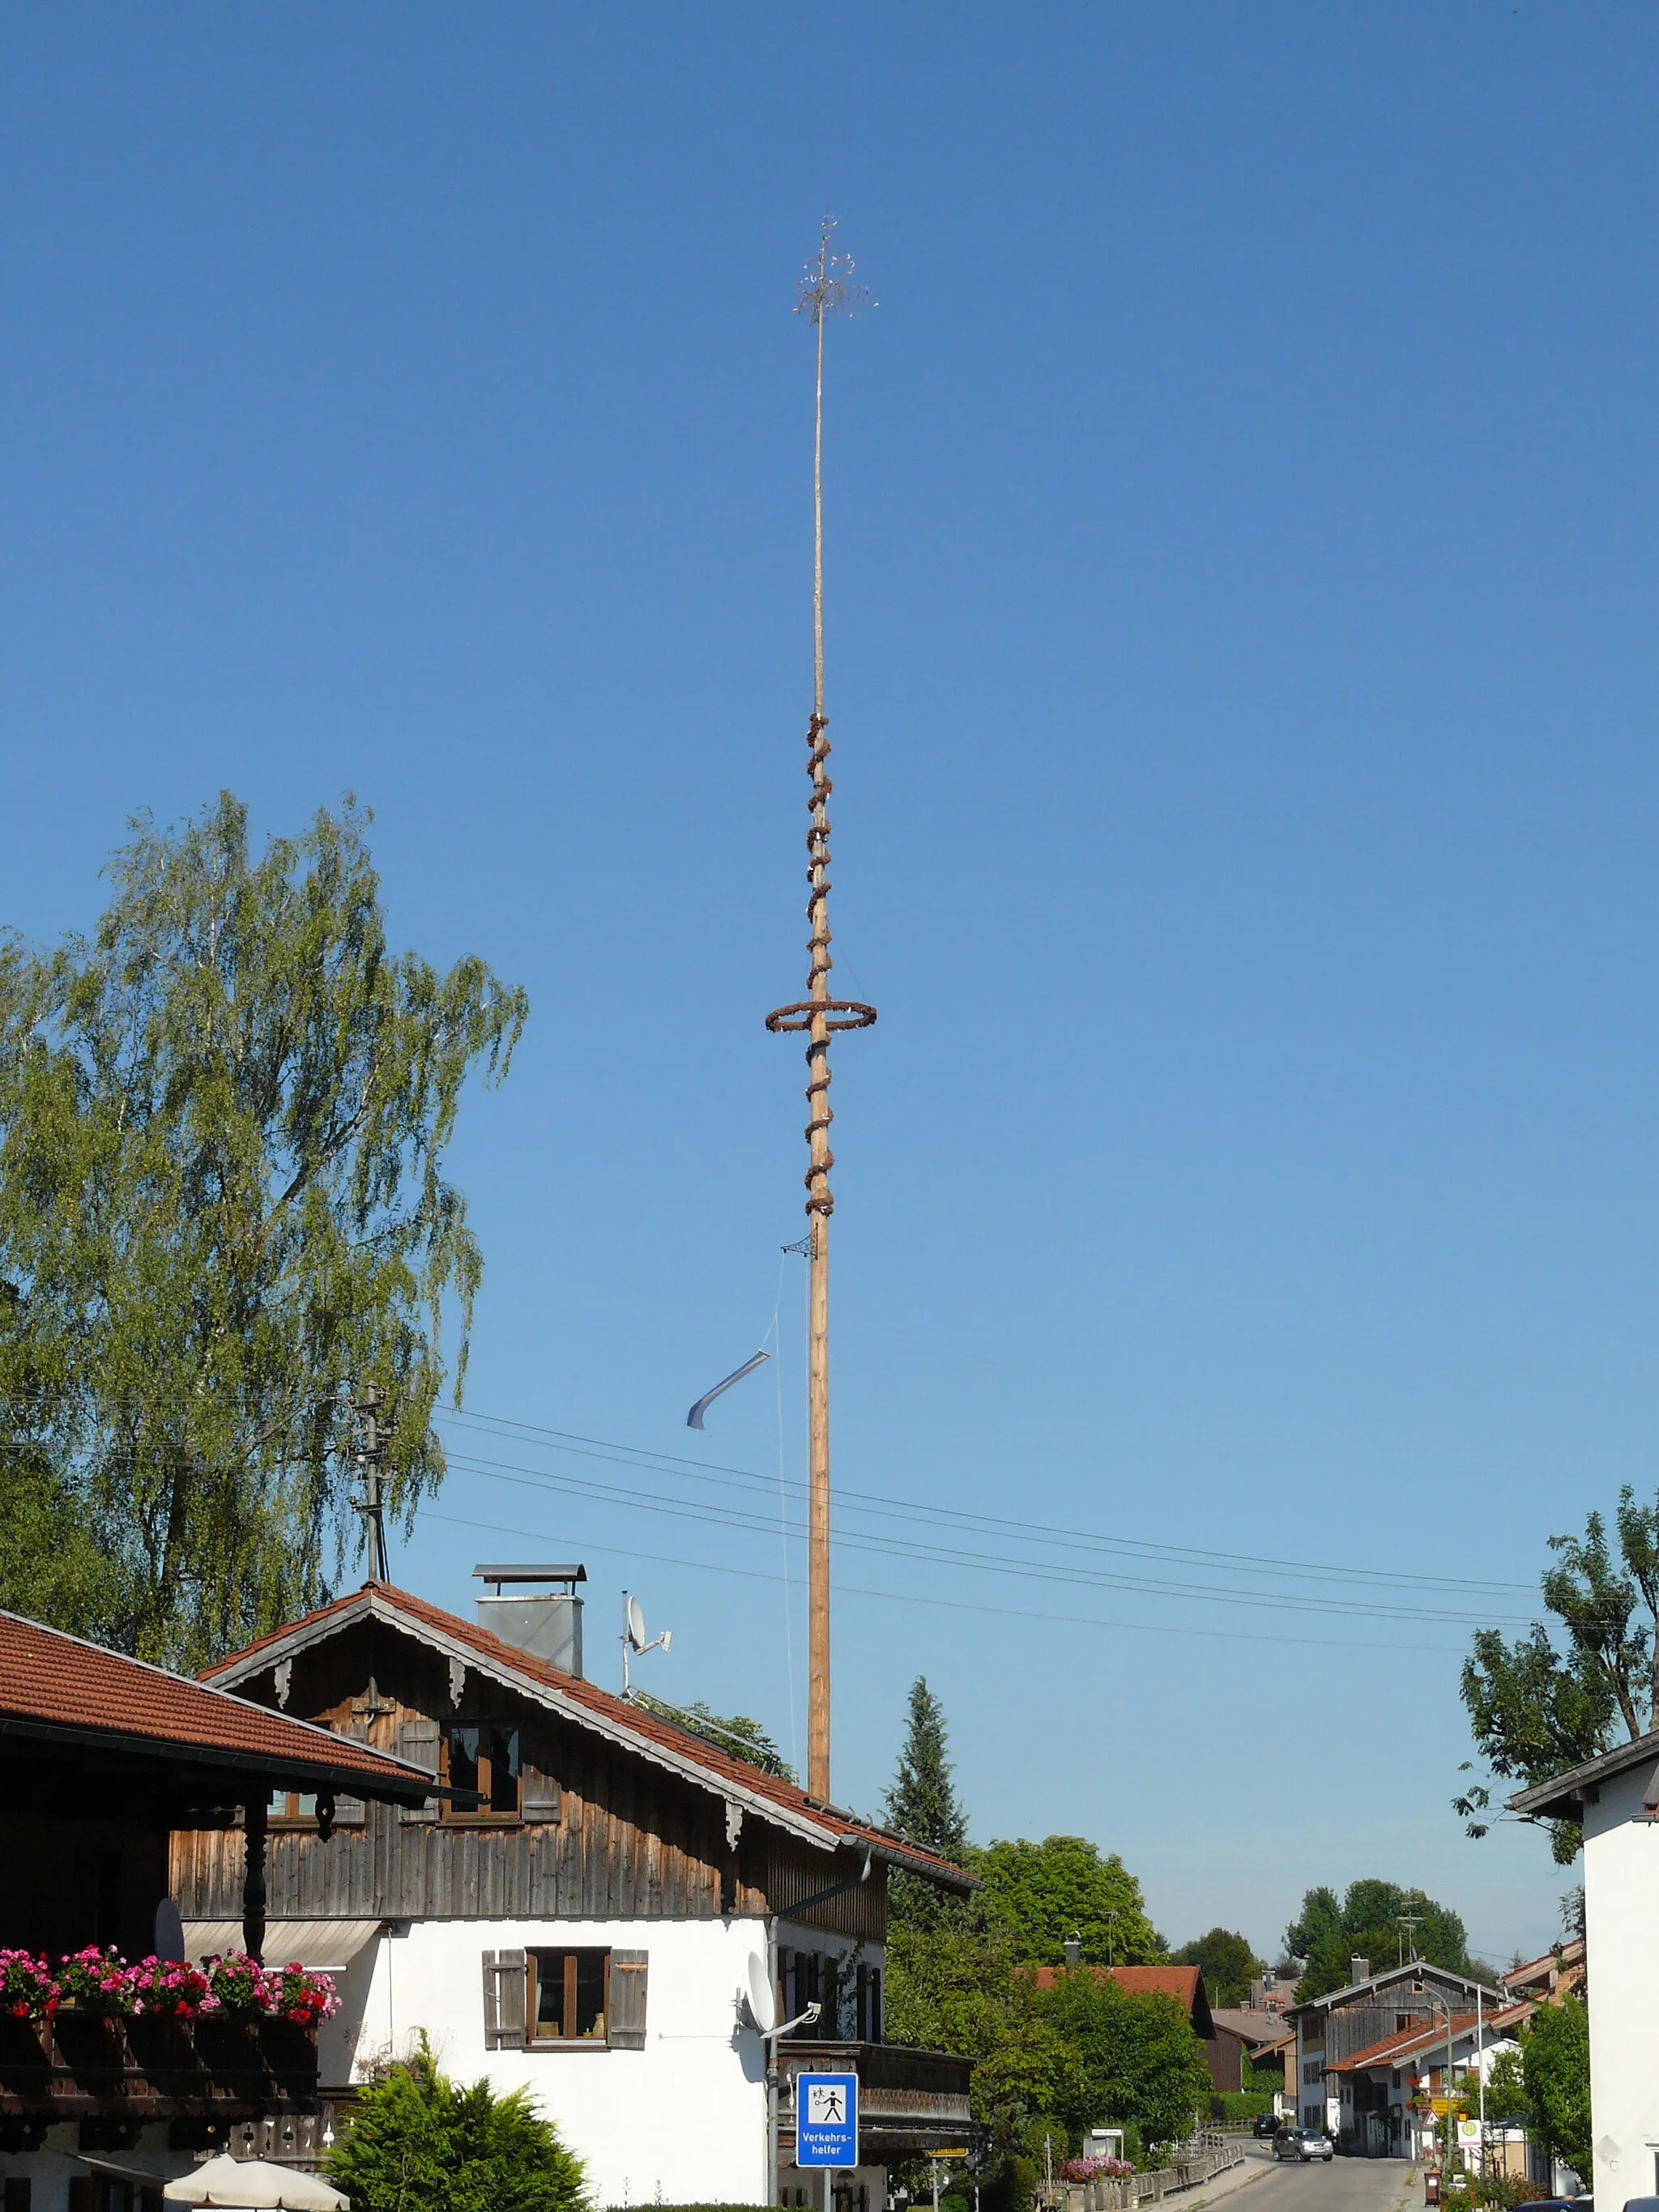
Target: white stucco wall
{"points": [[685, 2118], [1621, 1957]]}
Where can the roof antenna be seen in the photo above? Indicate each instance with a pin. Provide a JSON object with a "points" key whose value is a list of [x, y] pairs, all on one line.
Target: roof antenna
{"points": [[632, 1638], [369, 1450]]}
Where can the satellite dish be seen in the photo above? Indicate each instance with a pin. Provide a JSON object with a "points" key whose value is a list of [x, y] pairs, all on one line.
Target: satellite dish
{"points": [[636, 1624], [169, 1932], [762, 1998]]}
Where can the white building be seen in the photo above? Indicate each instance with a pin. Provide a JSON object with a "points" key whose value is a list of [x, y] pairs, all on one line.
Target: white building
{"points": [[578, 1908], [1616, 1798]]}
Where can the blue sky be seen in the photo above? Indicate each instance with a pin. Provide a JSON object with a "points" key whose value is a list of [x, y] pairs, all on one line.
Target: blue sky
{"points": [[1242, 512]]}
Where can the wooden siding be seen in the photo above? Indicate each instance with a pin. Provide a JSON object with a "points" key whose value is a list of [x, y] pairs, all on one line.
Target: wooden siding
{"points": [[630, 1841], [1356, 2025]]}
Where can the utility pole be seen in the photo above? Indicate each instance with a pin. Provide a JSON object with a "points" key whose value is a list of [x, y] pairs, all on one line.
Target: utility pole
{"points": [[825, 288], [370, 1449]]}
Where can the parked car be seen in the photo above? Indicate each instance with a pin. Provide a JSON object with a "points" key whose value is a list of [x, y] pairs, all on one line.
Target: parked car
{"points": [[1266, 2125], [1303, 2143]]}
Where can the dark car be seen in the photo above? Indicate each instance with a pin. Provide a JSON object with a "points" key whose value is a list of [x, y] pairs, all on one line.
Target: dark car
{"points": [[1266, 2125]]}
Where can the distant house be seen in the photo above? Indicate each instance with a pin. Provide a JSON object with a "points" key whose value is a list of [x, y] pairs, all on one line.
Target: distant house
{"points": [[583, 1910], [1617, 1799], [100, 1756], [1333, 2030], [1244, 2039], [1385, 2091]]}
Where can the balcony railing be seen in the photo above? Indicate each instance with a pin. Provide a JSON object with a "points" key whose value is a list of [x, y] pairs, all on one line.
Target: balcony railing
{"points": [[910, 2101], [80, 2067]]}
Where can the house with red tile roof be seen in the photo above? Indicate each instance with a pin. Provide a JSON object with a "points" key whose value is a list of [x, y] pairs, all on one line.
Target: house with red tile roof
{"points": [[1369, 2010], [101, 1758], [597, 1905]]}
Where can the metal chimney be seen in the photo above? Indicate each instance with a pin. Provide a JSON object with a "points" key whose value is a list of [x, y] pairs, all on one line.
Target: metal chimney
{"points": [[1359, 1970], [547, 1622]]}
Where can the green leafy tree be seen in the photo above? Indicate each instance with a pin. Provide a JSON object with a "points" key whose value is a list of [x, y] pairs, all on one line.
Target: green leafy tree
{"points": [[1226, 1962], [222, 1205], [954, 1988], [1328, 1934], [737, 1735], [1555, 2068], [419, 2143], [1139, 2058], [1506, 2089], [1549, 1699], [1046, 1893], [922, 1804]]}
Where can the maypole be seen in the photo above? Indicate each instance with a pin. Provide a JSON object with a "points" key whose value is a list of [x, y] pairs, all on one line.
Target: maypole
{"points": [[825, 288]]}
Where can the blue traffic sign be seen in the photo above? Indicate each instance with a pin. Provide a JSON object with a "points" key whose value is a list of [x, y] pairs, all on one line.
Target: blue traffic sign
{"points": [[827, 2119]]}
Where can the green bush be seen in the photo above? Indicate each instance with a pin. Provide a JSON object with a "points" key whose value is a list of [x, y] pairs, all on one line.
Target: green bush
{"points": [[1234, 2106], [419, 2143]]}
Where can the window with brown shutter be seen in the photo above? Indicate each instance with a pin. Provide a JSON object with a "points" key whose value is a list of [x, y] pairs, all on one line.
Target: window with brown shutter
{"points": [[584, 2000], [481, 1766]]}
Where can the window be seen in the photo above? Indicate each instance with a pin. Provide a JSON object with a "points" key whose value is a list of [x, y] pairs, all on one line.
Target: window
{"points": [[482, 1761], [1402, 2021], [1313, 2070], [569, 1995], [293, 1805]]}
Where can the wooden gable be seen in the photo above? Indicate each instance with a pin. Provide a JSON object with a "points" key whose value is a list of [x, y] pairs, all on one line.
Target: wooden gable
{"points": [[604, 1833]]}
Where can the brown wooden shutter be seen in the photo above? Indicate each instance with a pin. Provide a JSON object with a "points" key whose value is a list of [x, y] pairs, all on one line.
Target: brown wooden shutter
{"points": [[505, 2001], [491, 2011], [18, 2190], [627, 2021], [512, 1998], [417, 1742], [151, 2200], [82, 2197], [538, 1796]]}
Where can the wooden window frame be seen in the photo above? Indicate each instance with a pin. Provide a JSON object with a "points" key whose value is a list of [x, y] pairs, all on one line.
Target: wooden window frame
{"points": [[291, 1818], [568, 1955], [479, 1816]]}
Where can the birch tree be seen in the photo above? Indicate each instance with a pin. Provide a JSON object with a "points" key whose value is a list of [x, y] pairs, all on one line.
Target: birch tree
{"points": [[223, 1120]]}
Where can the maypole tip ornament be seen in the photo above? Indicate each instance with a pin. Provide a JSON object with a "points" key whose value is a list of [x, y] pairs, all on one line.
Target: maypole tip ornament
{"points": [[693, 1419]]}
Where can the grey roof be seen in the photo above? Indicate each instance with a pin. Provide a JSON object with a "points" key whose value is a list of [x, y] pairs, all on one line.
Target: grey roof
{"points": [[1387, 1980], [1563, 1798]]}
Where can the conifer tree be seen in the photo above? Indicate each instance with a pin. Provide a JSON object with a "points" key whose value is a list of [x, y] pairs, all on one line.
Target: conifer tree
{"points": [[922, 1805]]}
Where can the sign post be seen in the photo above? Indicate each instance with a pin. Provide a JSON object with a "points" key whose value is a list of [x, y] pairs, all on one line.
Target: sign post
{"points": [[827, 2120]]}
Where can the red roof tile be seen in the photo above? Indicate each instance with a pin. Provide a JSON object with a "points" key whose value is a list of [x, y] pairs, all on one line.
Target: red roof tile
{"points": [[1184, 1984], [50, 1681], [1425, 2038], [613, 1713]]}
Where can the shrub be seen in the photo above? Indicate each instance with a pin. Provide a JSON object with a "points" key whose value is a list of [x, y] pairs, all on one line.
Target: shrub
{"points": [[419, 2142]]}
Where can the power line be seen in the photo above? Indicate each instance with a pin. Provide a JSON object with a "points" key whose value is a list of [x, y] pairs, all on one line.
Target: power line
{"points": [[724, 1516], [883, 1502], [950, 1605]]}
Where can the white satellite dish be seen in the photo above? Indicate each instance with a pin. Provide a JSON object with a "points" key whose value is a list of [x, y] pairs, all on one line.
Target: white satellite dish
{"points": [[169, 1931], [634, 1644], [762, 1998]]}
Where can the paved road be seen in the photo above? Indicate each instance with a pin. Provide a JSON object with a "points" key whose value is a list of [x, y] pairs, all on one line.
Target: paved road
{"points": [[1346, 2185]]}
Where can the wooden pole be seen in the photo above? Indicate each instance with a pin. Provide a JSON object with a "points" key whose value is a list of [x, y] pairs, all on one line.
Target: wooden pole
{"points": [[819, 1016], [817, 1136]]}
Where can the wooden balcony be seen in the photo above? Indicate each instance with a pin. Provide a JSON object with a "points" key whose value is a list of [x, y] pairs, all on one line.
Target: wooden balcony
{"points": [[911, 2101], [79, 2067]]}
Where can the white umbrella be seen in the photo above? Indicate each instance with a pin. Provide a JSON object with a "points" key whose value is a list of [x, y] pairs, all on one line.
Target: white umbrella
{"points": [[255, 2183]]}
